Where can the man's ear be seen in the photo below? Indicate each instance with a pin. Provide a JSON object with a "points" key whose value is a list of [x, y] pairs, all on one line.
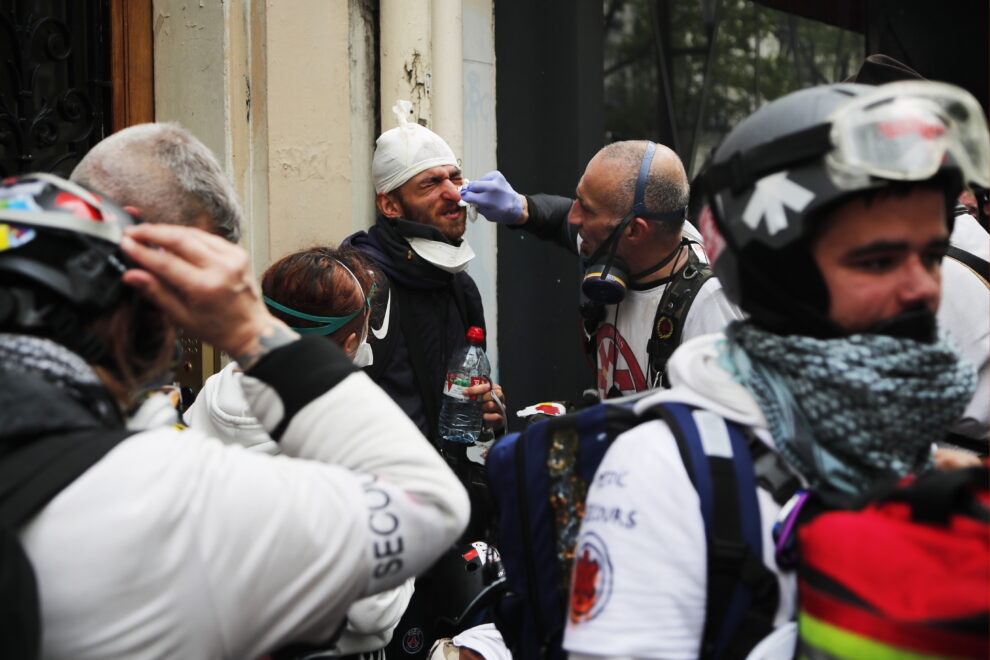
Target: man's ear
{"points": [[389, 205], [638, 230]]}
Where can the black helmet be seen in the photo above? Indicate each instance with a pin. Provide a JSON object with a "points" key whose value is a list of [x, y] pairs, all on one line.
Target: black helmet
{"points": [[450, 597], [781, 168], [60, 259], [467, 578]]}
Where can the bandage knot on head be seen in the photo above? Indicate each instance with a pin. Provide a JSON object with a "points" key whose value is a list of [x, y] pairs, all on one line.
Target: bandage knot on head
{"points": [[406, 150]]}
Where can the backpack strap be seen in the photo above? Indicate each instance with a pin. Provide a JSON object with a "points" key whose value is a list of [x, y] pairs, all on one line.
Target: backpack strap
{"points": [[668, 322], [38, 469], [979, 266], [742, 594]]}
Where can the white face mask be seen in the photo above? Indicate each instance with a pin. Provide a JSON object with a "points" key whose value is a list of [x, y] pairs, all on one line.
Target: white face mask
{"points": [[363, 356], [443, 255]]}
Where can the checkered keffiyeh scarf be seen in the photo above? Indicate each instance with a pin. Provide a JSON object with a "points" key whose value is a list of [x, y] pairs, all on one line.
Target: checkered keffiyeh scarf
{"points": [[58, 366], [848, 411]]}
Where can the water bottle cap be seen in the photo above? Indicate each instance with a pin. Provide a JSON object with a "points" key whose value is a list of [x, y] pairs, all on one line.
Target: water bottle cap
{"points": [[475, 335]]}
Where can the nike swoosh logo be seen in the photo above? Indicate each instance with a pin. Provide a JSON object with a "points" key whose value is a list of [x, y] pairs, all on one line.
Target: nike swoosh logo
{"points": [[381, 332]]}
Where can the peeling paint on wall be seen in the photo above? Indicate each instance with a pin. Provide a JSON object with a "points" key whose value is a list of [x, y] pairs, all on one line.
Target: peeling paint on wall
{"points": [[418, 83]]}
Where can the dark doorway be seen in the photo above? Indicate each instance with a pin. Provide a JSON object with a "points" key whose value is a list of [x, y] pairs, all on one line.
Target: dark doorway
{"points": [[549, 114]]}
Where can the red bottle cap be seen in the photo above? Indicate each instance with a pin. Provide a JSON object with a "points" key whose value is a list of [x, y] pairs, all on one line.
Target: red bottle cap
{"points": [[475, 335]]}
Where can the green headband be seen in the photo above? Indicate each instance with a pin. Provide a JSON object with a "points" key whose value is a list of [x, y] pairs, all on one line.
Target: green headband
{"points": [[331, 323]]}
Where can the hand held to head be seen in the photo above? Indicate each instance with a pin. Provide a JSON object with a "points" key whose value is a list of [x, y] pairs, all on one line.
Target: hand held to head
{"points": [[495, 199], [205, 285]]}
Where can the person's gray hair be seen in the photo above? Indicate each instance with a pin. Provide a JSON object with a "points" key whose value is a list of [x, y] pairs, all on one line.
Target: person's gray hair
{"points": [[667, 188], [167, 173]]}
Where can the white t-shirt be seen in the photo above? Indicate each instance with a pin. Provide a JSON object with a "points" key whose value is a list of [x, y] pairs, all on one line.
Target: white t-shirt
{"points": [[643, 531], [621, 359]]}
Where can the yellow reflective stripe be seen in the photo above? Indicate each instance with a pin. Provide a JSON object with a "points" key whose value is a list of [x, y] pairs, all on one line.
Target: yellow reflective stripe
{"points": [[840, 643]]}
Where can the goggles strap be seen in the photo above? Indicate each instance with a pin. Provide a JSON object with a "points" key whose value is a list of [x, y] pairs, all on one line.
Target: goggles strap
{"points": [[744, 168]]}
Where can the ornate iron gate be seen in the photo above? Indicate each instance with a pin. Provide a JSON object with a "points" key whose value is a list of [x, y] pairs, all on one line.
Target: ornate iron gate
{"points": [[55, 86]]}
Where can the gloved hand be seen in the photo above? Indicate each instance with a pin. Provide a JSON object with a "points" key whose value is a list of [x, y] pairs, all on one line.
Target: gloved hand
{"points": [[494, 197]]}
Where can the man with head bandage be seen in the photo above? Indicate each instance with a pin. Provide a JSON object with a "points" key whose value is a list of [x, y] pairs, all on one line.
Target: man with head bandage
{"points": [[427, 300], [424, 305]]}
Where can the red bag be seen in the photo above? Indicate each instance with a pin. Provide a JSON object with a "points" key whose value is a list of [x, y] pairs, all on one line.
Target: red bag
{"points": [[907, 575]]}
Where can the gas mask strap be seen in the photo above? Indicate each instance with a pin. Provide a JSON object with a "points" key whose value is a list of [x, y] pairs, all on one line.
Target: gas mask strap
{"points": [[663, 262]]}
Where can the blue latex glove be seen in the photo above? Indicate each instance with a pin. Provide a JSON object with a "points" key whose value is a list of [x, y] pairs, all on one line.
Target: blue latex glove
{"points": [[494, 197]]}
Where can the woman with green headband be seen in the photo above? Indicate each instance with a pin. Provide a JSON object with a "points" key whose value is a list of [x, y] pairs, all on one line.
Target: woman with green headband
{"points": [[324, 291]]}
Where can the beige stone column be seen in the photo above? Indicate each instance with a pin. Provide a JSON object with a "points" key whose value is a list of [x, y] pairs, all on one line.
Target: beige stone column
{"points": [[283, 92]]}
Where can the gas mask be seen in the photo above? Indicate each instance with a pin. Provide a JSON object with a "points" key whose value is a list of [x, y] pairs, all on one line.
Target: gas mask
{"points": [[606, 277]]}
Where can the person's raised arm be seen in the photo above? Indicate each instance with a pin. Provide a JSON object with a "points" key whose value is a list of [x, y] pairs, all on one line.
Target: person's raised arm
{"points": [[204, 284], [309, 397]]}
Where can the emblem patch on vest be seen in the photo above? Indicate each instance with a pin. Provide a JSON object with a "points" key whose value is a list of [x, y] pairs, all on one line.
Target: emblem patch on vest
{"points": [[592, 578], [665, 327]]}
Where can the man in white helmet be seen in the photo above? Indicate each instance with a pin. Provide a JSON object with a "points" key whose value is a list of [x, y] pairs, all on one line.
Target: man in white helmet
{"points": [[429, 302]]}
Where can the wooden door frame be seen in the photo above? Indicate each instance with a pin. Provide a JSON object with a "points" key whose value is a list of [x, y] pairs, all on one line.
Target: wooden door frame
{"points": [[132, 65]]}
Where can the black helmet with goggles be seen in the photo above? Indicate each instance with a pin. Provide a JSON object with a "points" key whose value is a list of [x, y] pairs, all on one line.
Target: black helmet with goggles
{"points": [[795, 158]]}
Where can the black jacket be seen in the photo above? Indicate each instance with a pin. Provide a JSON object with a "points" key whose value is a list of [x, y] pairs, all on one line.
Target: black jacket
{"points": [[420, 317]]}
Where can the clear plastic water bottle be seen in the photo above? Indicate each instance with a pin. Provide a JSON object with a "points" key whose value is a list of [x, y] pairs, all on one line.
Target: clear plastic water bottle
{"points": [[460, 415]]}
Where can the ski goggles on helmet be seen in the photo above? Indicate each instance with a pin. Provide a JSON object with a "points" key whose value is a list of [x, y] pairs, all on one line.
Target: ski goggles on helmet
{"points": [[904, 131], [907, 131]]}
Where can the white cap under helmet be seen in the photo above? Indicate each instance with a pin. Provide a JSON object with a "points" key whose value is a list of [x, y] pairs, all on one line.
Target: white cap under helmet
{"points": [[403, 152]]}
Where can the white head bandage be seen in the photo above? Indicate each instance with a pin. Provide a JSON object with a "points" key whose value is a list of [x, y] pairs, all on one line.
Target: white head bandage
{"points": [[403, 152]]}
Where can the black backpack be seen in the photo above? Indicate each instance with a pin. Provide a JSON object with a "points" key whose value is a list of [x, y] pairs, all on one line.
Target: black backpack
{"points": [[539, 479], [32, 472]]}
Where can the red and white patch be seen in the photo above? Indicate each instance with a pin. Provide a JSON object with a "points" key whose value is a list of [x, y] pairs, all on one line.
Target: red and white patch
{"points": [[591, 580], [550, 408]]}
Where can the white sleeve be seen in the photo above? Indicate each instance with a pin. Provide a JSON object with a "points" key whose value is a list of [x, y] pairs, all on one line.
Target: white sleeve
{"points": [[965, 312], [710, 312], [413, 504], [382, 511], [639, 585], [220, 410]]}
